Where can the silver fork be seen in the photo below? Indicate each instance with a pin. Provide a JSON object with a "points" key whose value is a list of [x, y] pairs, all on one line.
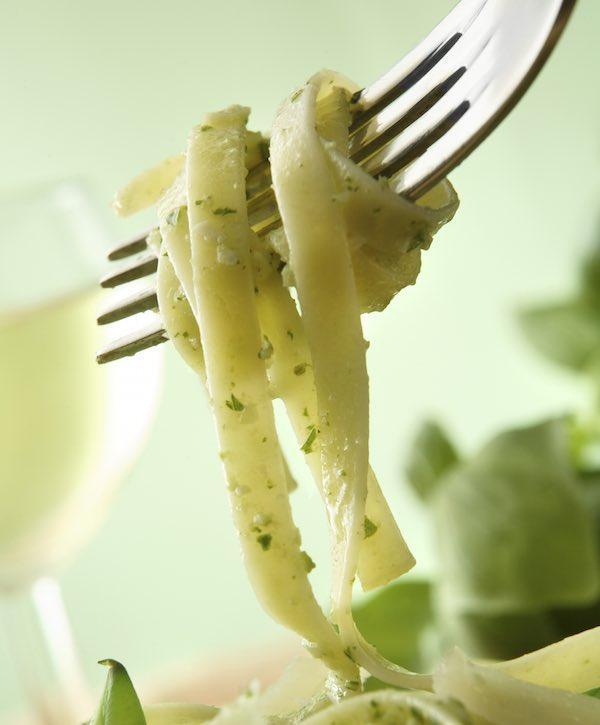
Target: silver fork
{"points": [[415, 123]]}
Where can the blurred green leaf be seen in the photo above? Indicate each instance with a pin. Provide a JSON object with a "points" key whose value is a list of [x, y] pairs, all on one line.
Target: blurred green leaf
{"points": [[396, 620], [502, 636], [595, 692], [567, 333], [119, 704], [590, 483], [432, 454], [514, 533], [590, 277]]}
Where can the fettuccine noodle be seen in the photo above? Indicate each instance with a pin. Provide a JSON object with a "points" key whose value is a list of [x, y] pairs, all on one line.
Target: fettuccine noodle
{"points": [[347, 245]]}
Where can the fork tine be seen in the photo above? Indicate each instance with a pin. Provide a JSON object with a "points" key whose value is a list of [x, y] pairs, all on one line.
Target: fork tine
{"points": [[142, 267], [416, 64], [132, 343], [260, 198], [371, 101], [131, 246], [141, 301], [440, 117], [391, 121], [483, 97], [415, 123]]}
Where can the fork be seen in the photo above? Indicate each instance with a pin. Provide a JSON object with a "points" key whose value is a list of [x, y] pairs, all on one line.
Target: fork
{"points": [[414, 124]]}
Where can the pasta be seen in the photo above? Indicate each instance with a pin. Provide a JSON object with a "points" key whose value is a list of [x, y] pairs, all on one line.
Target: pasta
{"points": [[230, 316], [347, 245]]}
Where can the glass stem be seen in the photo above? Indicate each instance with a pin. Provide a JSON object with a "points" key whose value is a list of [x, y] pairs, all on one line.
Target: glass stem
{"points": [[44, 652]]}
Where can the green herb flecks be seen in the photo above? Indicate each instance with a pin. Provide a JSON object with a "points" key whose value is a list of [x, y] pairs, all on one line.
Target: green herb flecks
{"points": [[265, 541], [224, 211], [300, 369], [369, 527], [420, 239], [307, 446], [376, 709], [296, 95], [234, 404], [309, 564], [417, 715], [206, 127], [173, 217], [266, 349], [290, 334]]}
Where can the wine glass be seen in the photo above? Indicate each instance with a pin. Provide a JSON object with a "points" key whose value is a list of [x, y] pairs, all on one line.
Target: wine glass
{"points": [[69, 428]]}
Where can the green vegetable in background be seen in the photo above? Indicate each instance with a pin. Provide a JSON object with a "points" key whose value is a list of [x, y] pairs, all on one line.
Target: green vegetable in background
{"points": [[514, 532], [518, 524], [518, 529], [568, 332], [432, 455], [119, 704], [399, 620]]}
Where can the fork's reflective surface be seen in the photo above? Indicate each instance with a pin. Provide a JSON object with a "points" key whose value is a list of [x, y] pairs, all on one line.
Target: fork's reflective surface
{"points": [[420, 119], [503, 46]]}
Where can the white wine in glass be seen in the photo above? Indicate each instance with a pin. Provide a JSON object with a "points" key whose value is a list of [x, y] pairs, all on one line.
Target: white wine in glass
{"points": [[69, 428]]}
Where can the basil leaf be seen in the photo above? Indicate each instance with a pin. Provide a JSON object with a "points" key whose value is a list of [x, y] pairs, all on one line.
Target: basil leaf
{"points": [[119, 704], [395, 620], [499, 637], [590, 277], [513, 529], [567, 333], [594, 692], [432, 455]]}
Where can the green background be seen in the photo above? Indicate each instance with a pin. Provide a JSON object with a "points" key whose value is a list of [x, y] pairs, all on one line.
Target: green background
{"points": [[99, 90]]}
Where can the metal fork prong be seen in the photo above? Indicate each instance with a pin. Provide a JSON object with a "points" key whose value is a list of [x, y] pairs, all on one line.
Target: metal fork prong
{"points": [[142, 267], [426, 130], [138, 243], [416, 64], [417, 100], [262, 197], [148, 264], [141, 301], [130, 247], [445, 112], [388, 123], [513, 58], [132, 343]]}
